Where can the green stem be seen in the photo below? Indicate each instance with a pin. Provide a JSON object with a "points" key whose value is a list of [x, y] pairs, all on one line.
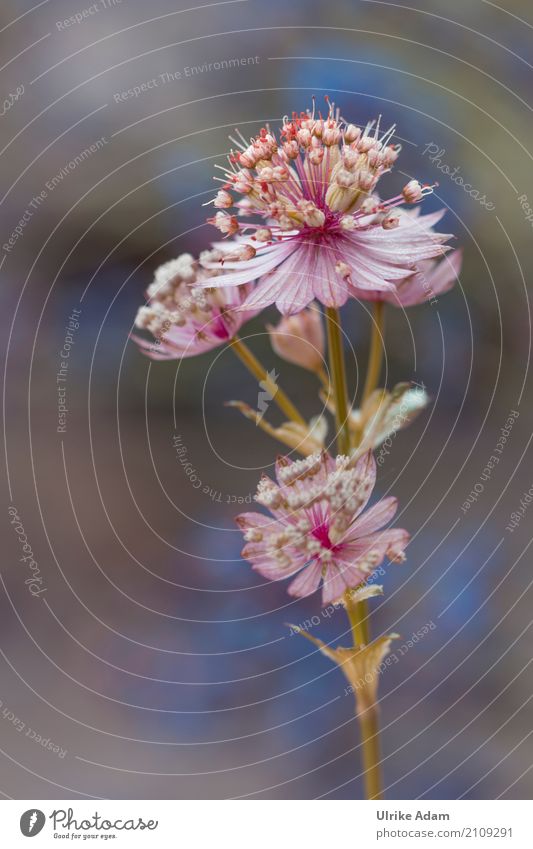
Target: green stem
{"points": [[375, 360], [376, 351], [369, 725], [338, 379], [259, 372], [358, 613], [324, 379]]}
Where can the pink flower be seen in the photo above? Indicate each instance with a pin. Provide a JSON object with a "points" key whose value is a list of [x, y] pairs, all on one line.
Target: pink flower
{"points": [[299, 339], [320, 529], [185, 318], [323, 232]]}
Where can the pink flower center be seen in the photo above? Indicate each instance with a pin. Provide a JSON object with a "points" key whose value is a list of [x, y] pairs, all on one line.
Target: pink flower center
{"points": [[330, 225], [321, 533], [219, 328]]}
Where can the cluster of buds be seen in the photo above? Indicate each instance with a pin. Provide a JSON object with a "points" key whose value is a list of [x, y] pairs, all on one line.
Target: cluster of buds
{"points": [[262, 148], [322, 174], [183, 315], [168, 295], [154, 317], [360, 165], [306, 131], [173, 298]]}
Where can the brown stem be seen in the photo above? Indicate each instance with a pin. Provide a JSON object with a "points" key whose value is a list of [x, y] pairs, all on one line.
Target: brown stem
{"points": [[259, 372], [358, 613], [369, 725]]}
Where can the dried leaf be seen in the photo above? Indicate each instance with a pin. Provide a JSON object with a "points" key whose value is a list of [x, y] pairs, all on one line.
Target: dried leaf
{"points": [[365, 592], [384, 413], [361, 665]]}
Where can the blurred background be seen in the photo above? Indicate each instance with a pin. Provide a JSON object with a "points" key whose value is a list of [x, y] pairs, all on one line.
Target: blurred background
{"points": [[147, 660]]}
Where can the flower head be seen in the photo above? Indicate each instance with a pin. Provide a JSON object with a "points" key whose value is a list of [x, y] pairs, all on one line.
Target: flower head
{"points": [[319, 528], [299, 339], [185, 318], [323, 232]]}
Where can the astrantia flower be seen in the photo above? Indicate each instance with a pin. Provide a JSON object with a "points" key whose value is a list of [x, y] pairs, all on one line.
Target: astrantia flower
{"points": [[323, 232], [185, 318], [319, 529]]}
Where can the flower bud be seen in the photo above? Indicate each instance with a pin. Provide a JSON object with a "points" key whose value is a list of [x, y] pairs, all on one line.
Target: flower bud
{"points": [[367, 181], [248, 157], [374, 158], [285, 223], [241, 253], [291, 150], [299, 339], [243, 181], [345, 178], [369, 206], [227, 224], [351, 134], [365, 144], [390, 222], [313, 216], [223, 200], [304, 137], [331, 136], [343, 269], [412, 192], [316, 156], [281, 173], [263, 234], [347, 223], [266, 174], [390, 155], [350, 158]]}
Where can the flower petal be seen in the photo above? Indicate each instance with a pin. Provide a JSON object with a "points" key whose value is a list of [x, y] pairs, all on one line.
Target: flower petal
{"points": [[245, 271], [334, 586], [373, 519], [307, 581], [426, 283]]}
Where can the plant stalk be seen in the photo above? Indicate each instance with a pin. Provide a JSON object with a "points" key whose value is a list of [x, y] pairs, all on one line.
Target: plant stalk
{"points": [[358, 613], [259, 372], [358, 616], [369, 725], [338, 379]]}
